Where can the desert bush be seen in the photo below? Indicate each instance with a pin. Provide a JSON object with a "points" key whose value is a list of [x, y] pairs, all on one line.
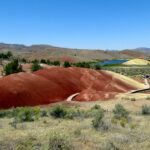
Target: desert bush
{"points": [[62, 112], [13, 67], [58, 141], [43, 61], [55, 63], [35, 66], [6, 55], [8, 113], [148, 98], [97, 67], [66, 64], [145, 110], [98, 122], [96, 107], [23, 60], [2, 113], [120, 112], [43, 113], [123, 122], [58, 112], [27, 114]]}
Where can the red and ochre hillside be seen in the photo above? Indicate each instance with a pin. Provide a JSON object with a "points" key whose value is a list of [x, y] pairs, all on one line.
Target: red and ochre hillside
{"points": [[57, 83]]}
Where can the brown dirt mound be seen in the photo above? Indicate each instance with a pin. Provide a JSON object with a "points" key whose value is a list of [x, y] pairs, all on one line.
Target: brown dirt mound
{"points": [[56, 84]]}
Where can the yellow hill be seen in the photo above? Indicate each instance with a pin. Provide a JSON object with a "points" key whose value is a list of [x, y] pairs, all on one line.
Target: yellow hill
{"points": [[137, 62], [127, 80]]}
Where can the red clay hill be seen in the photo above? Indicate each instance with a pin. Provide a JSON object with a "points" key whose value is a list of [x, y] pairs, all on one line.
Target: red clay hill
{"points": [[57, 84]]}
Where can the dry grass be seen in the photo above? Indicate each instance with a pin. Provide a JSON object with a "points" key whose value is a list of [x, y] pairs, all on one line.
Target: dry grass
{"points": [[134, 136]]}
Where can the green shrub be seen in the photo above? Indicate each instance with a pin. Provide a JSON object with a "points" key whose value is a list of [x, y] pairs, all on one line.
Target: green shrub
{"points": [[55, 63], [2, 113], [35, 66], [58, 112], [43, 113], [123, 122], [43, 61], [96, 107], [13, 67], [120, 112], [97, 67], [66, 64], [6, 55], [27, 114], [48, 62], [58, 141], [98, 120], [145, 110]]}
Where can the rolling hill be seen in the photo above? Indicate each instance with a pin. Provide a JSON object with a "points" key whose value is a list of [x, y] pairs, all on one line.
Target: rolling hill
{"points": [[52, 52]]}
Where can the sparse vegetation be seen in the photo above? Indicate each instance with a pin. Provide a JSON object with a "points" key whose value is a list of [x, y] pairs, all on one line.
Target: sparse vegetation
{"points": [[94, 126], [66, 64], [13, 67], [145, 110], [58, 141], [35, 66], [6, 55], [133, 99], [120, 112]]}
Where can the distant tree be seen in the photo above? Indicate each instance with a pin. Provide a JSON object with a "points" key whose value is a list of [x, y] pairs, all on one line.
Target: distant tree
{"points": [[97, 67], [56, 63], [13, 67], [48, 62], [82, 64], [9, 54], [23, 60], [35, 61], [6, 56], [66, 64], [35, 66], [43, 61]]}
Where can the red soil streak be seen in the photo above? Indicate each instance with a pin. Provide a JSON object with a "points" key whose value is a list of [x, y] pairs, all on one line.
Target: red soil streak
{"points": [[56, 84], [26, 67], [93, 95]]}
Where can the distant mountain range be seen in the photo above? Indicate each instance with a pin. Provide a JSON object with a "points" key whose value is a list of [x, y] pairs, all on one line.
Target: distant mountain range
{"points": [[52, 52]]}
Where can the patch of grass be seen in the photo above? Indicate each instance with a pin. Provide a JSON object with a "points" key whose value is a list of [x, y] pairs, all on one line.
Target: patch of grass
{"points": [[58, 141], [28, 144]]}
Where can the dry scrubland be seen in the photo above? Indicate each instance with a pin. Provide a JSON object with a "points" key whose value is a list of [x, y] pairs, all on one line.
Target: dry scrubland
{"points": [[85, 126]]}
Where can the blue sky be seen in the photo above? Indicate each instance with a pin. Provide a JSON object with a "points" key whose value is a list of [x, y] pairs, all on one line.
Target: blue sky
{"points": [[93, 24]]}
